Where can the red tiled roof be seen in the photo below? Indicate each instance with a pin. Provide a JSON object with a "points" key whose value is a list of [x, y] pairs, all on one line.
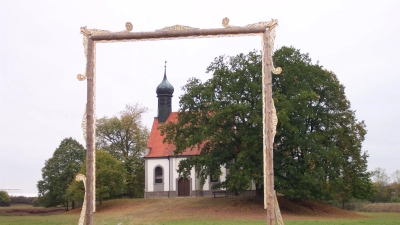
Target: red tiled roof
{"points": [[160, 149]]}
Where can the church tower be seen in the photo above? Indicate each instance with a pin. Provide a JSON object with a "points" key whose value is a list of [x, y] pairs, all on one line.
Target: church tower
{"points": [[164, 94]]}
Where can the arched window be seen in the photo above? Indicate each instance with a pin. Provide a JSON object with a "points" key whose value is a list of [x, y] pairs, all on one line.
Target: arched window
{"points": [[158, 178]]}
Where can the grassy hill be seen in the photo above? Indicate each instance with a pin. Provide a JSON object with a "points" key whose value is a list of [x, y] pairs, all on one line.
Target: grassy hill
{"points": [[235, 208], [207, 210]]}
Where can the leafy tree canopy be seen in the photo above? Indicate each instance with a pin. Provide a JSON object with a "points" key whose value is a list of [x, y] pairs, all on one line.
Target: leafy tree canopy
{"points": [[396, 176], [4, 198], [380, 177], [317, 149], [383, 188], [59, 171], [109, 179], [125, 138], [318, 143]]}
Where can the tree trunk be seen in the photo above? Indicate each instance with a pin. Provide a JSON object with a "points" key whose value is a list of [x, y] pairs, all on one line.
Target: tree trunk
{"points": [[130, 181], [73, 204]]}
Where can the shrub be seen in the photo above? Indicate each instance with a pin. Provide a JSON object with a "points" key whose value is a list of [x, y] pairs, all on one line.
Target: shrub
{"points": [[35, 202], [395, 199], [4, 199]]}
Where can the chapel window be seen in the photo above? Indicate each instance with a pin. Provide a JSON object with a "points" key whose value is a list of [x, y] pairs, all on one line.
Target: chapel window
{"points": [[158, 175]]}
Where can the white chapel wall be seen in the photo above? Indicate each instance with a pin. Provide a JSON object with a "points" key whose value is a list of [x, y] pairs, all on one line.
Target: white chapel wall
{"points": [[175, 176], [170, 180], [151, 165]]}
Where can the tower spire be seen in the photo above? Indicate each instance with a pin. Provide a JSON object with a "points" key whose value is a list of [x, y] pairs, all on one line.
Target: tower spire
{"points": [[164, 94], [165, 70]]}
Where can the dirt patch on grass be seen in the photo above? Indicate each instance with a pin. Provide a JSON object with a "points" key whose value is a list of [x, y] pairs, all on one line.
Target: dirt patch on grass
{"points": [[312, 209]]}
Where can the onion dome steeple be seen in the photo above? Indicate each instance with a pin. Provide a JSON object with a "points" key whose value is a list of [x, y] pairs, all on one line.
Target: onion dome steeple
{"points": [[165, 88], [164, 94]]}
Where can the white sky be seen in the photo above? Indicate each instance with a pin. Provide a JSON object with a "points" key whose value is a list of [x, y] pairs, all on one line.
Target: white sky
{"points": [[41, 52]]}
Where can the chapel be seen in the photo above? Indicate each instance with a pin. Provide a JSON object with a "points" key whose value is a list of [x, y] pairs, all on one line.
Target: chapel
{"points": [[161, 177]]}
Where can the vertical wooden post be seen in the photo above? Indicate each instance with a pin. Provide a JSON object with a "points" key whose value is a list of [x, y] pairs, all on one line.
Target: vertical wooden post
{"points": [[267, 130], [89, 131]]}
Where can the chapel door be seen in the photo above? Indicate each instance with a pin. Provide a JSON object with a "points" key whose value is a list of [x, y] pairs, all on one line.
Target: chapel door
{"points": [[183, 187]]}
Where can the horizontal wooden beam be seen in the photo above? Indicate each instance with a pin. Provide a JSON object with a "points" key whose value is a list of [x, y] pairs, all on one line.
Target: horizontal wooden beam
{"points": [[167, 34]]}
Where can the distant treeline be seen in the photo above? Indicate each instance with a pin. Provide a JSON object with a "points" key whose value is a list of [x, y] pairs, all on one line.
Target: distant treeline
{"points": [[23, 200], [4, 204]]}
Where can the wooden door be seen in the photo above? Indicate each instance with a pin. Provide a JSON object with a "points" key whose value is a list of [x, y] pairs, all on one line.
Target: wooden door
{"points": [[183, 187]]}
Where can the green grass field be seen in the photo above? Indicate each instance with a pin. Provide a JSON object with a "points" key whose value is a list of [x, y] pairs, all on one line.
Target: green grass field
{"points": [[64, 219], [194, 211], [371, 219]]}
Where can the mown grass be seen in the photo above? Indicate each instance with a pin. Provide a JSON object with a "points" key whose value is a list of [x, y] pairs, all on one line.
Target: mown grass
{"points": [[64, 219], [391, 218], [19, 206], [196, 211]]}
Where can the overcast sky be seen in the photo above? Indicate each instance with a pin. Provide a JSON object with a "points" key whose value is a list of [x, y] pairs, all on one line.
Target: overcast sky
{"points": [[41, 53]]}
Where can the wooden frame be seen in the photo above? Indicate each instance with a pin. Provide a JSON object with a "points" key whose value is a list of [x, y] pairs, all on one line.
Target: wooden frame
{"points": [[265, 29]]}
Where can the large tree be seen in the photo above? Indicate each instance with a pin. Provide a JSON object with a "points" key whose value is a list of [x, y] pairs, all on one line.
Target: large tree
{"points": [[59, 171], [125, 138], [318, 142], [109, 179], [223, 116]]}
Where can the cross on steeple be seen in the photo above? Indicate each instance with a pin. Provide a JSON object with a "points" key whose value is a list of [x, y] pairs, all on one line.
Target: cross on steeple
{"points": [[165, 70]]}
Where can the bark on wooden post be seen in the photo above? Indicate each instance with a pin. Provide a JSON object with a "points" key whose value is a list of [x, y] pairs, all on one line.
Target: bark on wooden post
{"points": [[89, 131], [267, 130], [188, 33]]}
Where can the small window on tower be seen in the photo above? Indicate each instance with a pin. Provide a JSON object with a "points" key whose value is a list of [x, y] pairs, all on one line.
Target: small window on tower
{"points": [[162, 101]]}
